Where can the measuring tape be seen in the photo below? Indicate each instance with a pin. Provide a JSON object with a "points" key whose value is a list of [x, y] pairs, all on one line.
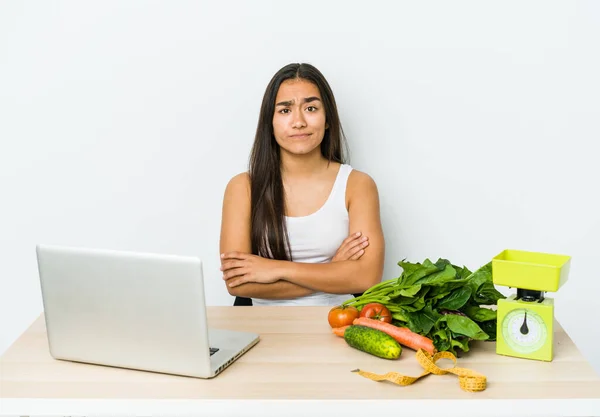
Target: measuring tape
{"points": [[468, 380]]}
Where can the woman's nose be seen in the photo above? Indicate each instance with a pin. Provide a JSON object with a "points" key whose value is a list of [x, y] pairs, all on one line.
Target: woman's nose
{"points": [[298, 120]]}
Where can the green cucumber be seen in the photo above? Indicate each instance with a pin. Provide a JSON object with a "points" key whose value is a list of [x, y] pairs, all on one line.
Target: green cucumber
{"points": [[372, 341]]}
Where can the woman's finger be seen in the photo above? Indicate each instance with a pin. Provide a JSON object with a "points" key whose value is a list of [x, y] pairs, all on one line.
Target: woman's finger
{"points": [[347, 248], [232, 273], [351, 238], [358, 242], [231, 264], [239, 281], [358, 248], [355, 247], [357, 255], [349, 243]]}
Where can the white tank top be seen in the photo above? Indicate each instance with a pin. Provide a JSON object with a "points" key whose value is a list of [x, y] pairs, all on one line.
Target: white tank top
{"points": [[316, 238]]}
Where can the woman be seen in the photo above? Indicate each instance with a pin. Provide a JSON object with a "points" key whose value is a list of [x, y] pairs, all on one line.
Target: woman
{"points": [[294, 228]]}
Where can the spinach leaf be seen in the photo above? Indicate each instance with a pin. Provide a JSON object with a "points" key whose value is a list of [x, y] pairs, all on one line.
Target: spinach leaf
{"points": [[442, 263], [480, 314], [410, 291], [490, 328], [440, 277], [422, 321], [465, 326], [427, 268], [442, 339], [488, 294], [399, 319], [408, 268], [403, 301], [479, 277], [461, 342], [456, 299], [462, 273], [415, 306], [440, 291]]}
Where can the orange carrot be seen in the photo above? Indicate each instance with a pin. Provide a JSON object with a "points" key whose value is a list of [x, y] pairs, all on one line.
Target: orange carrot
{"points": [[339, 331], [402, 335]]}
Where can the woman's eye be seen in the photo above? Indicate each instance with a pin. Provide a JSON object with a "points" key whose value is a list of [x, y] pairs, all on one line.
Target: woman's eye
{"points": [[311, 108], [284, 111]]}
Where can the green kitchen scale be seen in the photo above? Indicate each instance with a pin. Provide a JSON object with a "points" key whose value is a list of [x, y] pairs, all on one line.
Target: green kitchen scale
{"points": [[525, 326]]}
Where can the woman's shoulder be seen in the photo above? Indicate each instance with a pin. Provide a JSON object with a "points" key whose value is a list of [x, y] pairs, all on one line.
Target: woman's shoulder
{"points": [[238, 185], [360, 186], [359, 180], [243, 178]]}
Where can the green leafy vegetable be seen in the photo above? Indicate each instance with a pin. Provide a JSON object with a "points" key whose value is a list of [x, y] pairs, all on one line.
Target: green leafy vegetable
{"points": [[442, 301], [456, 299], [464, 326], [422, 321], [480, 314]]}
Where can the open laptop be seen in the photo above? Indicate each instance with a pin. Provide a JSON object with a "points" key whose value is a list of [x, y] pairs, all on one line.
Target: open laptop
{"points": [[133, 310]]}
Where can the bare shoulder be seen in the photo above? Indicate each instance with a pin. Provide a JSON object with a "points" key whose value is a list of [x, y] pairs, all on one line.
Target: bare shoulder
{"points": [[360, 182], [238, 186], [361, 187]]}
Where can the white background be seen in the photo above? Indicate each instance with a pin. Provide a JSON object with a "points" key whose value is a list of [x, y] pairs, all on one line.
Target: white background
{"points": [[122, 122]]}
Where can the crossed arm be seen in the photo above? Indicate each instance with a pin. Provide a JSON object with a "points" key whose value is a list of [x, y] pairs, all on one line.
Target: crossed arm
{"points": [[352, 270]]}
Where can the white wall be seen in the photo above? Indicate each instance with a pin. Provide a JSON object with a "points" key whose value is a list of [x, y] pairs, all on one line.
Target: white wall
{"points": [[121, 123]]}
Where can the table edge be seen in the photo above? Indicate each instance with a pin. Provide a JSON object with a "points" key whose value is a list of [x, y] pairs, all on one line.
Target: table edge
{"points": [[291, 408]]}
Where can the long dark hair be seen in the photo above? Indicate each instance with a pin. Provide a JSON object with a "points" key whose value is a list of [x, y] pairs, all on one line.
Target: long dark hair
{"points": [[268, 229]]}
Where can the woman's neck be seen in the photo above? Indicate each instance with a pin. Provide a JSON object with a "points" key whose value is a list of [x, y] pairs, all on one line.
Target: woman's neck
{"points": [[302, 166]]}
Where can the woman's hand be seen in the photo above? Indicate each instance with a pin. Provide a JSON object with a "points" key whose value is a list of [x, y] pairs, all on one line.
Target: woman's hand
{"points": [[352, 248], [240, 268]]}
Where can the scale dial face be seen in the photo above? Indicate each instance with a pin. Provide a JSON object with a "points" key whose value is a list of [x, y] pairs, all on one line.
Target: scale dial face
{"points": [[524, 330]]}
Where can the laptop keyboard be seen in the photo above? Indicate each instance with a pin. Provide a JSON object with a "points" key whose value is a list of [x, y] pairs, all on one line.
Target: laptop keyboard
{"points": [[213, 351]]}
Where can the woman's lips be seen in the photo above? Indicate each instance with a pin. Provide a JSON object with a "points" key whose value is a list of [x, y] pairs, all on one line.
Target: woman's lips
{"points": [[301, 136]]}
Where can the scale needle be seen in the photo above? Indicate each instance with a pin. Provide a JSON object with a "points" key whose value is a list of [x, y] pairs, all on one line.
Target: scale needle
{"points": [[524, 328]]}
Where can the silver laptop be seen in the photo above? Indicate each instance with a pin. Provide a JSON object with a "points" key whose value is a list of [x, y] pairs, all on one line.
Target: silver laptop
{"points": [[133, 310]]}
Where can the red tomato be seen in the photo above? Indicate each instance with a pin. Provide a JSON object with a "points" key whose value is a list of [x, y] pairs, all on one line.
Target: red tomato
{"points": [[342, 316], [376, 311]]}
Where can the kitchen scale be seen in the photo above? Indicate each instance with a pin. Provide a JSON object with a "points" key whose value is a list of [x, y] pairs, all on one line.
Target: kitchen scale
{"points": [[525, 326]]}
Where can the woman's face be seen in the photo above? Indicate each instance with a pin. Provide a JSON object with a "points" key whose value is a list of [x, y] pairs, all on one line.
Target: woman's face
{"points": [[299, 119]]}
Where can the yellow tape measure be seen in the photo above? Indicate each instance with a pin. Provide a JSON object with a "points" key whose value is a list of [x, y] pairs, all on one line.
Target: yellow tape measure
{"points": [[468, 380]]}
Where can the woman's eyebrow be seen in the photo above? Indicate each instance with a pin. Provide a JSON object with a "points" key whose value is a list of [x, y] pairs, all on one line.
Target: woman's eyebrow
{"points": [[290, 102], [311, 99]]}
